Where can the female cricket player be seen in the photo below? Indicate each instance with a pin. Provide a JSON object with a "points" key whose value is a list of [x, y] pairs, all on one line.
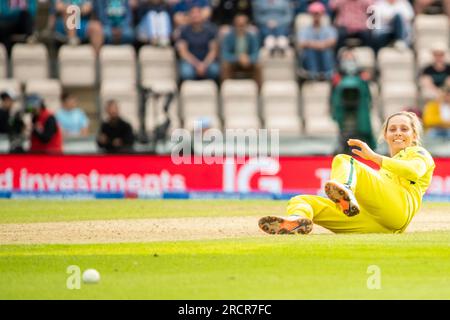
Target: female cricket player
{"points": [[363, 200]]}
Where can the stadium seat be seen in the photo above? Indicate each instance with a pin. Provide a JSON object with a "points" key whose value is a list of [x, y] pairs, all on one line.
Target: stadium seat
{"points": [[430, 29], [77, 66], [280, 106], [118, 63], [199, 101], [376, 121], [375, 92], [126, 95], [396, 66], [316, 109], [375, 112], [278, 67], [3, 62], [49, 89], [365, 56], [240, 104], [155, 114], [158, 73], [398, 96], [157, 68], [30, 62]]}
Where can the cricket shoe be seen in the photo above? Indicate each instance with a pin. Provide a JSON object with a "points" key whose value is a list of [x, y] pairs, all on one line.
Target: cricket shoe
{"points": [[343, 195], [285, 225]]}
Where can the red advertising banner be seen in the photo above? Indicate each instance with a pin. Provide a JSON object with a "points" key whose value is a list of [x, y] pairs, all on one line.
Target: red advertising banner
{"points": [[156, 174]]}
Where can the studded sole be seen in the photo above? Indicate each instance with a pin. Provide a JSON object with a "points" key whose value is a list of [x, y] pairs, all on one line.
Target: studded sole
{"points": [[278, 225], [341, 196]]}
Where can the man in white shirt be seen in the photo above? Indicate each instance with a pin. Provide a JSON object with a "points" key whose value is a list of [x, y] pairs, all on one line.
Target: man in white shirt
{"points": [[393, 23]]}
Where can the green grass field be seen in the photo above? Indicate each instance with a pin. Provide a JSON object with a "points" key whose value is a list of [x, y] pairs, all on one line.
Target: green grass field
{"points": [[321, 266]]}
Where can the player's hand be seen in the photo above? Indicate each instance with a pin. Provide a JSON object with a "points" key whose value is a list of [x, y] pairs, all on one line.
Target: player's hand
{"points": [[364, 150]]}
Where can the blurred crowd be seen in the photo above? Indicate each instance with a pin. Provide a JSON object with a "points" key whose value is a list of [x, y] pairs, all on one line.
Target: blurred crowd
{"points": [[219, 40]]}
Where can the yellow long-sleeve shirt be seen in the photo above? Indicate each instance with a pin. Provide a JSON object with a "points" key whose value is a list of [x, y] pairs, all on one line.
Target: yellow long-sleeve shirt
{"points": [[413, 169]]}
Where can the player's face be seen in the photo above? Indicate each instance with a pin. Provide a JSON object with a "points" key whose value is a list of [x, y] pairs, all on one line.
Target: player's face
{"points": [[399, 134]]}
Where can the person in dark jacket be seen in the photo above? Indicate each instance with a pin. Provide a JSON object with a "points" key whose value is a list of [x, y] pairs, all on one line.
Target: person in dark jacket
{"points": [[116, 135], [11, 122]]}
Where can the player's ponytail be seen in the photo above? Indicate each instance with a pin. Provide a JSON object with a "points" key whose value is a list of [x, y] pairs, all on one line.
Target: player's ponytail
{"points": [[416, 126]]}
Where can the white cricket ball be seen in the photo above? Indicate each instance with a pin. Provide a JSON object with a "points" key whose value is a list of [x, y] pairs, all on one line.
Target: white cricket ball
{"points": [[91, 276]]}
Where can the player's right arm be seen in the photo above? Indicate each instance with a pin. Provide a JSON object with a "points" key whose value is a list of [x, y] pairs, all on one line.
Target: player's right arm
{"points": [[412, 168], [416, 163]]}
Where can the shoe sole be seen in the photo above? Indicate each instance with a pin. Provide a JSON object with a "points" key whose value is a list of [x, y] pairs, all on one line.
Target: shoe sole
{"points": [[341, 196], [278, 225]]}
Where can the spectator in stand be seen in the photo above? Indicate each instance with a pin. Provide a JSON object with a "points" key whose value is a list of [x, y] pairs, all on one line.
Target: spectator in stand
{"points": [[316, 45], [436, 116], [301, 6], [17, 17], [198, 49], [393, 23], [224, 12], [89, 29], [46, 135], [116, 19], [239, 51], [348, 65], [154, 23], [435, 75], [351, 20], [273, 19], [116, 135], [11, 122], [72, 120], [181, 9], [7, 102], [422, 6]]}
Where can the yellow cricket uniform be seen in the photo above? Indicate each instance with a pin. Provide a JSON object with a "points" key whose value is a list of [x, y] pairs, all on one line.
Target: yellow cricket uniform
{"points": [[388, 198]]}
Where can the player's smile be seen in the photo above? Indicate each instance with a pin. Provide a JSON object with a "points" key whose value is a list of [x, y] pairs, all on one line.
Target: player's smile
{"points": [[398, 141]]}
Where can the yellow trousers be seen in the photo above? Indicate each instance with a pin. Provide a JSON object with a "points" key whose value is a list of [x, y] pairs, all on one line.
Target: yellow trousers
{"points": [[383, 203]]}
